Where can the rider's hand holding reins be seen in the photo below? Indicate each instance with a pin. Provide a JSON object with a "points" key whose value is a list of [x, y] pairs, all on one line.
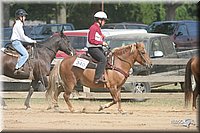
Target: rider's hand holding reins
{"points": [[105, 44]]}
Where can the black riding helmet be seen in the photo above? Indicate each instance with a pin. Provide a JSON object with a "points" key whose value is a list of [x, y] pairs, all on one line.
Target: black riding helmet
{"points": [[20, 12]]}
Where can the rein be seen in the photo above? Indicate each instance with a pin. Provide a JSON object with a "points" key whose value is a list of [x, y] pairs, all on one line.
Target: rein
{"points": [[50, 49]]}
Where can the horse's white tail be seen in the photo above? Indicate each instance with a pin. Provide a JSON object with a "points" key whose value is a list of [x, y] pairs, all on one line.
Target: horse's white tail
{"points": [[53, 84]]}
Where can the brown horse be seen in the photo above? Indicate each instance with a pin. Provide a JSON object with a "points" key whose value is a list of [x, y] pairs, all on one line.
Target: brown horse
{"points": [[192, 68], [65, 75], [40, 64]]}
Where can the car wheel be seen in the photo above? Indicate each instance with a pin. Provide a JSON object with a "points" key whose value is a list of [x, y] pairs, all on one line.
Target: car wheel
{"points": [[141, 87]]}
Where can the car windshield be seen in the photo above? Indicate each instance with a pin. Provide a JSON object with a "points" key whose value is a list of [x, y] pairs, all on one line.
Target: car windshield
{"points": [[164, 28], [135, 27], [49, 29], [78, 42], [36, 30], [118, 43]]}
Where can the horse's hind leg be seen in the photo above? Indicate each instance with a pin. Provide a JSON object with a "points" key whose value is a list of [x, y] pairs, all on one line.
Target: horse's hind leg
{"points": [[195, 94], [57, 92], [66, 96]]}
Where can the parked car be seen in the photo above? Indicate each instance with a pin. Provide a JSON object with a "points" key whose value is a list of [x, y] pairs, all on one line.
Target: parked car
{"points": [[157, 45], [184, 33], [78, 38], [43, 31], [124, 25]]}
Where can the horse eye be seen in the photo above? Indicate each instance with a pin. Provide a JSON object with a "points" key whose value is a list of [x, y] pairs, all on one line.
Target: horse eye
{"points": [[143, 52]]}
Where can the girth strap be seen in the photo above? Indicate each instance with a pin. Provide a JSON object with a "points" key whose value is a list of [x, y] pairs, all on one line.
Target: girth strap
{"points": [[118, 69]]}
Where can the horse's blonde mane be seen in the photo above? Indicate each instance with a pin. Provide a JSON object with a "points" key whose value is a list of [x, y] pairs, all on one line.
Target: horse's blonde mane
{"points": [[119, 50]]}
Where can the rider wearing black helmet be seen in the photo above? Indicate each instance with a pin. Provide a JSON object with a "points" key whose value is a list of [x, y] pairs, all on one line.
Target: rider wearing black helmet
{"points": [[20, 13], [18, 37]]}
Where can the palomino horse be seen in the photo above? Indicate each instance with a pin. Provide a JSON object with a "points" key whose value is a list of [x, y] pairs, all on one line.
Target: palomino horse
{"points": [[40, 64], [192, 68], [123, 58]]}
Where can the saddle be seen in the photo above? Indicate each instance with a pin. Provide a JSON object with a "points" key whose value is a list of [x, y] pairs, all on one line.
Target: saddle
{"points": [[93, 63], [109, 65], [10, 50]]}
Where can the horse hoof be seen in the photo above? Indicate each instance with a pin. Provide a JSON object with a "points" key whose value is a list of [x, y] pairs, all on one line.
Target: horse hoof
{"points": [[28, 108], [4, 107], [83, 110], [100, 108], [56, 108], [49, 108], [122, 111], [194, 109]]}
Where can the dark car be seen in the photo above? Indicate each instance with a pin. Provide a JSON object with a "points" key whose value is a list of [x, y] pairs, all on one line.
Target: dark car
{"points": [[184, 33], [124, 25], [43, 31], [6, 36], [157, 45]]}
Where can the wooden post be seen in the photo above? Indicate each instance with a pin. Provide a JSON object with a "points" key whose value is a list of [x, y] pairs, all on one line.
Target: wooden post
{"points": [[102, 5]]}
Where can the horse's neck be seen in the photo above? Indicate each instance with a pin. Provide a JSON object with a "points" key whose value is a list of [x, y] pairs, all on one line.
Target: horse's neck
{"points": [[122, 62], [44, 53]]}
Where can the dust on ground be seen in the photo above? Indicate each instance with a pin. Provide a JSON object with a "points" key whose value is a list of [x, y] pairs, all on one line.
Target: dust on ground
{"points": [[151, 115]]}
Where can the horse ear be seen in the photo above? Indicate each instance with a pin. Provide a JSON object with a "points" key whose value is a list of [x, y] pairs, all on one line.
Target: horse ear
{"points": [[62, 32]]}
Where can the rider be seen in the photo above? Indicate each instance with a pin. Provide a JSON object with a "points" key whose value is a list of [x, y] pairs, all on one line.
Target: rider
{"points": [[95, 43], [18, 37]]}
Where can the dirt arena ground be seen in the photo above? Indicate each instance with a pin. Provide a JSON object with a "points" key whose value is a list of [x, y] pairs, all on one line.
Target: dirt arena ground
{"points": [[161, 112]]}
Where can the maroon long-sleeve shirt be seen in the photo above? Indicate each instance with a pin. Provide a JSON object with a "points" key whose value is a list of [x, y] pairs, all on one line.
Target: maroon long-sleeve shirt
{"points": [[95, 36]]}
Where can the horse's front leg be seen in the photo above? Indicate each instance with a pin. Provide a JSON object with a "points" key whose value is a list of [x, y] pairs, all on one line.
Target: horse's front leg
{"points": [[3, 103], [119, 100], [114, 94], [43, 84]]}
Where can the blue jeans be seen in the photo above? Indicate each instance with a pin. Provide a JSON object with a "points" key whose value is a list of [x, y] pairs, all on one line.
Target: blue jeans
{"points": [[23, 57]]}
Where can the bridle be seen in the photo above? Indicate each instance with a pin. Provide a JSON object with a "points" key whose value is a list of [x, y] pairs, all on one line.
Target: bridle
{"points": [[143, 58], [124, 60]]}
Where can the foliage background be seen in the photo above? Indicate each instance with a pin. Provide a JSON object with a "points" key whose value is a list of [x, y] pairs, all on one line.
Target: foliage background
{"points": [[81, 14]]}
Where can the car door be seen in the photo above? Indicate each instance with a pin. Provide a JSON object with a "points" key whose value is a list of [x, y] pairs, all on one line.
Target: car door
{"points": [[182, 38], [193, 29], [155, 47]]}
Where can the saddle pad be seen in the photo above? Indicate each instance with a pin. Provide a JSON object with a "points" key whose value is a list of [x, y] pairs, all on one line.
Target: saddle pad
{"points": [[81, 63]]}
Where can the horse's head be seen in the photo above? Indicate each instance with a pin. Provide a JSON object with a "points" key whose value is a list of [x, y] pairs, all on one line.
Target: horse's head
{"points": [[65, 45], [142, 56]]}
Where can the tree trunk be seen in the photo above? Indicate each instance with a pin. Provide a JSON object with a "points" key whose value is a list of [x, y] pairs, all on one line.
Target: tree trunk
{"points": [[61, 14], [6, 15], [170, 10]]}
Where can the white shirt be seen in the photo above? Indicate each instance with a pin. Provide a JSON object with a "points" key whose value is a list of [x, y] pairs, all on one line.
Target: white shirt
{"points": [[18, 33]]}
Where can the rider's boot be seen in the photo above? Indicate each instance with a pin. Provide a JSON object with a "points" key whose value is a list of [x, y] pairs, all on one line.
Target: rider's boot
{"points": [[19, 71], [100, 80]]}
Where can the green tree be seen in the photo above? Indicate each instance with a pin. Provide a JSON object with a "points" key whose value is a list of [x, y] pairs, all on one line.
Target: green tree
{"points": [[81, 14], [186, 11]]}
